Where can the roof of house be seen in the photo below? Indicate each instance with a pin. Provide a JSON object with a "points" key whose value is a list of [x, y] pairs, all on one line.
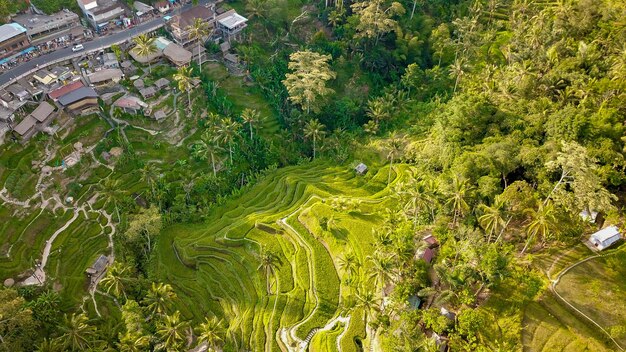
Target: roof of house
{"points": [[414, 302], [42, 112], [231, 19], [431, 240], [100, 264], [607, 233], [109, 57], [27, 123], [105, 75], [162, 82], [78, 94], [45, 76], [161, 4], [426, 254], [10, 30], [448, 314], [141, 7], [60, 70], [130, 102], [147, 91], [36, 23], [160, 115], [17, 90], [59, 92], [177, 54], [361, 167], [186, 18]]}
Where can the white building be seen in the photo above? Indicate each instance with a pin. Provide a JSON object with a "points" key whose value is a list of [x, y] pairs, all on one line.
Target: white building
{"points": [[100, 12], [605, 237]]}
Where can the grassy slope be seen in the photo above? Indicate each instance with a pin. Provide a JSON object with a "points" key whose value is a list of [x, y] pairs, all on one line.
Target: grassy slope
{"points": [[216, 267]]}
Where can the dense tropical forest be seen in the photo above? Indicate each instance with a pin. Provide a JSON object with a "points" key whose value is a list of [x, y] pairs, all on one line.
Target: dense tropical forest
{"points": [[488, 125]]}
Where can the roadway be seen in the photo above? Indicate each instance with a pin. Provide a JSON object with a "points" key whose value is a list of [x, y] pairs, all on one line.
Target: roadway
{"points": [[97, 44]]}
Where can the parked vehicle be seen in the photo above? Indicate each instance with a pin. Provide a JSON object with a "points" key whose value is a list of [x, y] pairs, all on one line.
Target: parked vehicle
{"points": [[78, 47]]}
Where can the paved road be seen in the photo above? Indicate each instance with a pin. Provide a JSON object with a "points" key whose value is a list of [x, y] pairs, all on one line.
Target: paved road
{"points": [[67, 53], [96, 44]]}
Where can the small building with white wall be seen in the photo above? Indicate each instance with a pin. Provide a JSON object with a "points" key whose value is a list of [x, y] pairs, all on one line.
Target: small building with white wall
{"points": [[605, 237]]}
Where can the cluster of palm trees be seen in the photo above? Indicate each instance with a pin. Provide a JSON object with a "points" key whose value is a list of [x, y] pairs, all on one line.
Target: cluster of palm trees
{"points": [[221, 134], [423, 197], [170, 331]]}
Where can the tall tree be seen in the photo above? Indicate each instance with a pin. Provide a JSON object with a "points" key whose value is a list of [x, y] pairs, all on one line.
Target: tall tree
{"points": [[492, 219], [376, 18], [114, 280], [226, 132], [17, 327], [199, 31], [251, 117], [158, 298], [394, 148], [314, 130], [145, 46], [381, 271], [211, 332], [542, 224], [171, 332], [206, 149], [77, 334], [112, 194], [268, 264], [306, 83], [183, 80], [458, 194]]}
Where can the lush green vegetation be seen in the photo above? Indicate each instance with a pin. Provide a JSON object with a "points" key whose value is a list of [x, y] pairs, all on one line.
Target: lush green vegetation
{"points": [[240, 223]]}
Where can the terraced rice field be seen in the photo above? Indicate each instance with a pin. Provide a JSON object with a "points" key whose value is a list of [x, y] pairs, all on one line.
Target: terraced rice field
{"points": [[214, 266]]}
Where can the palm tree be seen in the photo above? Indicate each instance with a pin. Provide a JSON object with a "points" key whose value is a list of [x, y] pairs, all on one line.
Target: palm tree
{"points": [[115, 278], [457, 197], [251, 117], [492, 220], [198, 31], [457, 70], [416, 197], [171, 332], [183, 79], [314, 130], [159, 298], [206, 149], [394, 147], [112, 194], [542, 223], [368, 302], [77, 334], [145, 47], [134, 342], [211, 332], [50, 345], [381, 271], [378, 110], [149, 175], [269, 264], [227, 130], [349, 264]]}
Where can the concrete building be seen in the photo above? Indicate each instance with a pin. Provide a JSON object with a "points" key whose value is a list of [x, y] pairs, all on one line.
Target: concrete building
{"points": [[230, 24], [178, 25], [106, 76], [605, 237], [80, 100], [66, 89], [100, 12], [41, 28], [13, 38]]}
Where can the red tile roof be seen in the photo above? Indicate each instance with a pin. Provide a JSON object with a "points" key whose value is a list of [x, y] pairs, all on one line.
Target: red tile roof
{"points": [[59, 92]]}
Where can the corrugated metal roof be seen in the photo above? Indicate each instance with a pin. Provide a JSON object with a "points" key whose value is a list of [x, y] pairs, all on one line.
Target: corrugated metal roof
{"points": [[78, 94], [59, 92], [42, 112], [10, 30]]}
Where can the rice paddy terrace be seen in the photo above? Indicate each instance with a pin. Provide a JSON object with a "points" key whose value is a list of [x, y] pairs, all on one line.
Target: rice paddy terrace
{"points": [[214, 266]]}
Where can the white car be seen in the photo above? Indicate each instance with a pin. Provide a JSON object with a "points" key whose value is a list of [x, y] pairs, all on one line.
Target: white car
{"points": [[78, 47]]}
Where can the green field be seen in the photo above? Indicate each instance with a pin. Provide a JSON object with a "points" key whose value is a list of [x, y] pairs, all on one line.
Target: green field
{"points": [[213, 266]]}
